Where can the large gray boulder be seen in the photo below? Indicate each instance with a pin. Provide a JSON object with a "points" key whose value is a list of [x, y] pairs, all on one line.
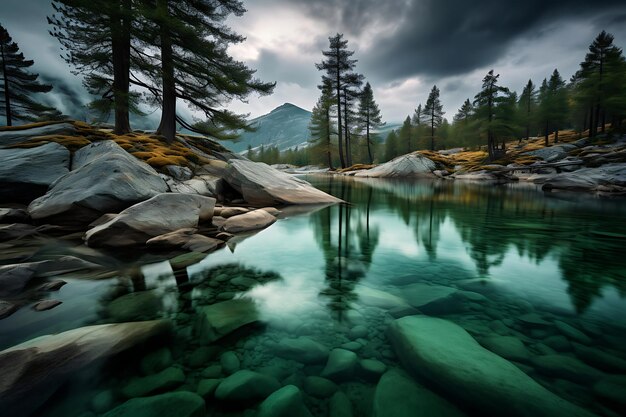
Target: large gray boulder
{"points": [[20, 135], [398, 395], [26, 174], [405, 166], [447, 356], [261, 185], [104, 179], [34, 370], [589, 179], [163, 213], [553, 153]]}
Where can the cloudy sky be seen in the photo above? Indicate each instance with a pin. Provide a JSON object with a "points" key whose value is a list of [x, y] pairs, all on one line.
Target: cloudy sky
{"points": [[403, 46]]}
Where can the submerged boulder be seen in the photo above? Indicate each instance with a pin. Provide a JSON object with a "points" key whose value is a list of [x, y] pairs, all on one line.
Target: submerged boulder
{"points": [[172, 404], [398, 395], [163, 213], [261, 185], [217, 320], [286, 402], [246, 386], [410, 165], [104, 179], [34, 370], [447, 356], [26, 174]]}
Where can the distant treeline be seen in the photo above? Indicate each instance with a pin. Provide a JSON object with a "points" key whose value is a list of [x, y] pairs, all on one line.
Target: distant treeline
{"points": [[346, 118]]}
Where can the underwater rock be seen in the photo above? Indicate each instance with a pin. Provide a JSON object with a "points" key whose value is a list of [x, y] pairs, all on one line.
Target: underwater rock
{"points": [[26, 174], [572, 333], [301, 349], [422, 295], [600, 359], [340, 406], [172, 404], [34, 370], [16, 231], [261, 185], [377, 298], [6, 309], [217, 320], [509, 347], [446, 355], [372, 368], [230, 362], [246, 386], [341, 364], [286, 402], [167, 379], [405, 166], [207, 387], [156, 361], [319, 387], [104, 179], [566, 367], [398, 395], [254, 220], [134, 306], [13, 215], [611, 389]]}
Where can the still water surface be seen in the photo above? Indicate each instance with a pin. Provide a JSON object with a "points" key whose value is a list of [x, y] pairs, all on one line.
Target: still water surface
{"points": [[321, 274]]}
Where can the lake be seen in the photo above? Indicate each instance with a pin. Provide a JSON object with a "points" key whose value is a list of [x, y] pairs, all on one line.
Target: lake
{"points": [[539, 279]]}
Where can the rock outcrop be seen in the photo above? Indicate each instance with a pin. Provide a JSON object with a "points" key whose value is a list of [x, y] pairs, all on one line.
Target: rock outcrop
{"points": [[406, 166], [34, 370], [163, 213], [26, 174], [604, 178], [104, 179], [261, 185], [253, 220]]}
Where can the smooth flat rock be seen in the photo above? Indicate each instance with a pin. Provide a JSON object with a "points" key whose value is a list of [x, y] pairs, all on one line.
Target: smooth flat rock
{"points": [[104, 179], [377, 298], [261, 185], [186, 239], [46, 305], [372, 368], [205, 185], [286, 402], [409, 166], [421, 295], [447, 356], [398, 395], [34, 370], [246, 386], [217, 320], [588, 179], [172, 404], [161, 214], [6, 309], [18, 135], [301, 349], [227, 212], [341, 364], [26, 174], [135, 306], [254, 220]]}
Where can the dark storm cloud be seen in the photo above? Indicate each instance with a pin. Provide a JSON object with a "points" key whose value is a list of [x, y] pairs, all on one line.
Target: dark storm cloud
{"points": [[442, 38]]}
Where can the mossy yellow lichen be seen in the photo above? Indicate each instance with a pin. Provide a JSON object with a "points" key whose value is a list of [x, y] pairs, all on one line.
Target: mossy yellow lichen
{"points": [[161, 161]]}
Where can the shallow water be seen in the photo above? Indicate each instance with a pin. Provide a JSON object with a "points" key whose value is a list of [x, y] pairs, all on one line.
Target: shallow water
{"points": [[556, 256]]}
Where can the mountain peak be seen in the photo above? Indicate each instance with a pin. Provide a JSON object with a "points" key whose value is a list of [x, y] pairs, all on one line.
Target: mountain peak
{"points": [[288, 106]]}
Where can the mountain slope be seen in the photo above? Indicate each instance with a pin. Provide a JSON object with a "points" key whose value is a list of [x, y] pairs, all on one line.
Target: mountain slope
{"points": [[286, 126]]}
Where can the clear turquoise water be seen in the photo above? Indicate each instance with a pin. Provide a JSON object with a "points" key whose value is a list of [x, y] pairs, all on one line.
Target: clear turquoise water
{"points": [[560, 256]]}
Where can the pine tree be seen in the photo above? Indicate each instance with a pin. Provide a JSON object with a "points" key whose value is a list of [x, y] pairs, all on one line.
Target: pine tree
{"points": [[416, 121], [462, 123], [558, 107], [544, 108], [391, 146], [338, 67], [321, 125], [96, 38], [351, 93], [193, 63], [527, 105], [19, 85], [405, 135], [603, 65], [433, 114], [486, 103], [369, 118]]}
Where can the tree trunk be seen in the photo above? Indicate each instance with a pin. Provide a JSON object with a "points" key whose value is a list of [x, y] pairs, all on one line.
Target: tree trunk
{"points": [[167, 127], [596, 120], [547, 133], [7, 95], [367, 138], [603, 120], [329, 155], [120, 46], [346, 132], [339, 132], [432, 132], [556, 135], [591, 130]]}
